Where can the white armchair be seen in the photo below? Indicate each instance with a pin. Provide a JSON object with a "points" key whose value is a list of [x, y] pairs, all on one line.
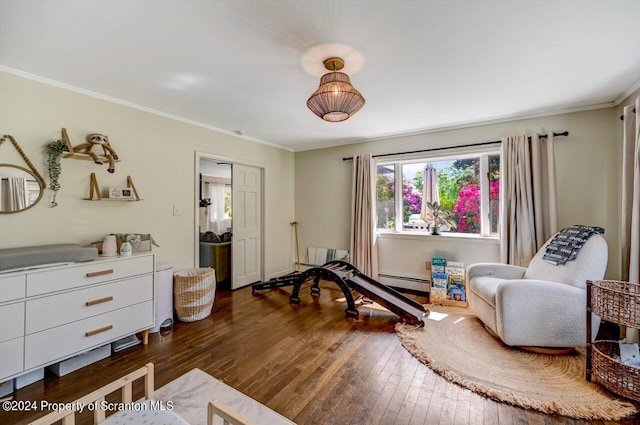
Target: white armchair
{"points": [[542, 305]]}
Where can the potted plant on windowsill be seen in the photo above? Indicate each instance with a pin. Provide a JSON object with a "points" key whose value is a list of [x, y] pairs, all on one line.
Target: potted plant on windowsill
{"points": [[441, 217]]}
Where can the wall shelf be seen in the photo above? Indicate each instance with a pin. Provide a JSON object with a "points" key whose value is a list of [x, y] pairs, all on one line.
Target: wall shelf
{"points": [[94, 191], [84, 157], [71, 154]]}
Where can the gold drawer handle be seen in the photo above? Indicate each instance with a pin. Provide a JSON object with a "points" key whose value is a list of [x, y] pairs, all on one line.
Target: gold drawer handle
{"points": [[100, 273], [98, 301], [99, 330]]}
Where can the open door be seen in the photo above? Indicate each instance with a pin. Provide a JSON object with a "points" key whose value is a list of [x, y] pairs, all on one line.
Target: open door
{"points": [[247, 225]]}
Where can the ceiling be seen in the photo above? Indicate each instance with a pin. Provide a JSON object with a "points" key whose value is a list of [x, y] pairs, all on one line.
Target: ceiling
{"points": [[250, 65]]}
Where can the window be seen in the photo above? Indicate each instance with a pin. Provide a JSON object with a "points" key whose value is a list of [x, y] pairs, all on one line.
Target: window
{"points": [[467, 186], [385, 197]]}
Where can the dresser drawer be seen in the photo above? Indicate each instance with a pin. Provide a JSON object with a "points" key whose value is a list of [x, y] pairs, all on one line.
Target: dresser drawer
{"points": [[49, 312], [12, 287], [11, 355], [98, 271], [64, 341], [11, 322]]}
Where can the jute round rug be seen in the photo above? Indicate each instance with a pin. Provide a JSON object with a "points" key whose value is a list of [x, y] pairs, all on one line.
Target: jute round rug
{"points": [[459, 348]]}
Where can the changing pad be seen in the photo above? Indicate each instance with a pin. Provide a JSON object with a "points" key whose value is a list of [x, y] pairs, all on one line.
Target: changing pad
{"points": [[31, 256]]}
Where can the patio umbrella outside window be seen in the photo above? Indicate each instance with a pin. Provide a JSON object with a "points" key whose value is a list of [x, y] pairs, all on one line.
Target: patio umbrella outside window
{"points": [[429, 192]]}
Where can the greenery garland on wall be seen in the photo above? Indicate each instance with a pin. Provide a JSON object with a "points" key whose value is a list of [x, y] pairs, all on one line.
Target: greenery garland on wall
{"points": [[54, 164]]}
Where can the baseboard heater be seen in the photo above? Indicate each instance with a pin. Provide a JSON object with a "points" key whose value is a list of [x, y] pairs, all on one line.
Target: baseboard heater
{"points": [[419, 284]]}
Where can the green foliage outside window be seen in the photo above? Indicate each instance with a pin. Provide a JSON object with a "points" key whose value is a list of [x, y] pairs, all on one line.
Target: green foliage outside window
{"points": [[385, 201]]}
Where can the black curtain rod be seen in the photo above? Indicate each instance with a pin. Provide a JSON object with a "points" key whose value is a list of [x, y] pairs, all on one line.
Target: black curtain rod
{"points": [[622, 116], [542, 136]]}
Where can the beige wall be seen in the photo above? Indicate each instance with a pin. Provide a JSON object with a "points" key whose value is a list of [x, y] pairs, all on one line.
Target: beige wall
{"points": [[159, 155], [587, 172], [157, 152]]}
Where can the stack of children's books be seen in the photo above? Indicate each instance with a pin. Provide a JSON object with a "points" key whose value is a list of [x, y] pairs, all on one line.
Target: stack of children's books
{"points": [[438, 279], [448, 282], [455, 282]]}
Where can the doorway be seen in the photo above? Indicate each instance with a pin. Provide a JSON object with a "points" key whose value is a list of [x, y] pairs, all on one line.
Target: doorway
{"points": [[229, 224]]}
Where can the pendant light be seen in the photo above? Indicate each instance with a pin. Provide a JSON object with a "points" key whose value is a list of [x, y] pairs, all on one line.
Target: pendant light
{"points": [[335, 99]]}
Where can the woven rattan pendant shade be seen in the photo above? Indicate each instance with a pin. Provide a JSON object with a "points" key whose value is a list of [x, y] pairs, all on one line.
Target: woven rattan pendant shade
{"points": [[335, 99]]}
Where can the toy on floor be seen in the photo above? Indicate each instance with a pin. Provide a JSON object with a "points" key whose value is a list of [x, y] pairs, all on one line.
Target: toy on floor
{"points": [[349, 279]]}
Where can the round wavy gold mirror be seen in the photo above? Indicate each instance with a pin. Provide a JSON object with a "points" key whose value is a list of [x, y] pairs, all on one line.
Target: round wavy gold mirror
{"points": [[20, 189]]}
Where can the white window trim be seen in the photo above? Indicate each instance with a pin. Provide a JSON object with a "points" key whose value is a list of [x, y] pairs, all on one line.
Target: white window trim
{"points": [[485, 195], [398, 162], [392, 234]]}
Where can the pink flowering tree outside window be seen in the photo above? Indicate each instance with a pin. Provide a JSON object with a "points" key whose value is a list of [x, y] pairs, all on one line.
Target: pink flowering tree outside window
{"points": [[467, 208], [411, 200], [494, 204]]}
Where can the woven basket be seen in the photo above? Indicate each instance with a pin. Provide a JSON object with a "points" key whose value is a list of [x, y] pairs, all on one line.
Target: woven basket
{"points": [[616, 301], [194, 291], [612, 374]]}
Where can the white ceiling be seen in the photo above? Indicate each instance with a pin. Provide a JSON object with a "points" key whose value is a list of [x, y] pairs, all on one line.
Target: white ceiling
{"points": [[250, 65]]}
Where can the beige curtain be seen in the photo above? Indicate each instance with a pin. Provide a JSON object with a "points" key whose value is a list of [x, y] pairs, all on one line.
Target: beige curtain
{"points": [[529, 210], [631, 200], [363, 248], [631, 195], [14, 194], [218, 222]]}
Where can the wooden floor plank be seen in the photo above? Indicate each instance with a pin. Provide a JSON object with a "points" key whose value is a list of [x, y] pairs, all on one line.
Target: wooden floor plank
{"points": [[404, 385], [411, 399], [436, 403], [384, 398], [491, 412], [419, 413], [307, 362], [463, 408], [448, 413], [476, 409], [374, 386], [505, 414]]}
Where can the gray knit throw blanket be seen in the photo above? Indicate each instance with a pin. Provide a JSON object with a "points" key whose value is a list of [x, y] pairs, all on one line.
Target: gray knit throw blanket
{"points": [[566, 244]]}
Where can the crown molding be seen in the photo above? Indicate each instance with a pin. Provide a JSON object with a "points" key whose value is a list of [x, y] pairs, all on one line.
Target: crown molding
{"points": [[627, 93], [463, 124], [337, 143], [122, 102]]}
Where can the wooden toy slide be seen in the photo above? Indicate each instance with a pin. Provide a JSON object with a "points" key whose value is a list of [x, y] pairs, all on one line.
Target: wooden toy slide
{"points": [[349, 279]]}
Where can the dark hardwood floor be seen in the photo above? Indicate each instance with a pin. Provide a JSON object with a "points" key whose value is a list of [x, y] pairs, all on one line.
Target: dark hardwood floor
{"points": [[307, 362]]}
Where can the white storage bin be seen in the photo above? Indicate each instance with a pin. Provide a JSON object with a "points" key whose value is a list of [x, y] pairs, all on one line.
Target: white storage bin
{"points": [[163, 296]]}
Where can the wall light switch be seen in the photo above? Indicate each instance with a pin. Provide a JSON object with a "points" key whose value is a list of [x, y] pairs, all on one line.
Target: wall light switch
{"points": [[176, 211]]}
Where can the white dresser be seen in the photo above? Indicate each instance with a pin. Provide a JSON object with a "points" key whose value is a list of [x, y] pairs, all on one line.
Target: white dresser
{"points": [[53, 313]]}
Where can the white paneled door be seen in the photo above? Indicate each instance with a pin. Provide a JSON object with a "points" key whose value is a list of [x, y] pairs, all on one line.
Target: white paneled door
{"points": [[247, 225]]}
